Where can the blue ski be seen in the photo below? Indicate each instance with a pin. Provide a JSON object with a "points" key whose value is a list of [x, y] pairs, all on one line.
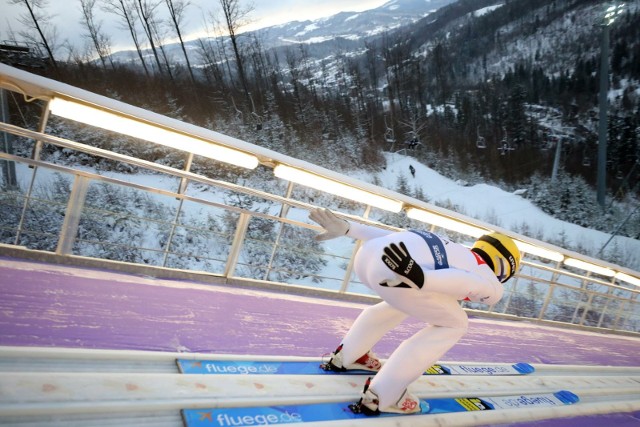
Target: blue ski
{"points": [[288, 414], [239, 367]]}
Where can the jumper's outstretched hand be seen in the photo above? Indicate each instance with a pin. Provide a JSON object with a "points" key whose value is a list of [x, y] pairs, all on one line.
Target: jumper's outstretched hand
{"points": [[333, 226]]}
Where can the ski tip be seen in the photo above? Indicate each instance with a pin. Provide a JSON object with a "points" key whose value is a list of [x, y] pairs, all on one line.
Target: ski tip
{"points": [[524, 368], [567, 397]]}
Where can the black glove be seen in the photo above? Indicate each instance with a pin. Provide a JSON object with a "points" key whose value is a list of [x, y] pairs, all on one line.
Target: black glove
{"points": [[400, 262]]}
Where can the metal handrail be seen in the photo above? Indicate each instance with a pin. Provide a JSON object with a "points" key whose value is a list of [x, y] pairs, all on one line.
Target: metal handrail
{"points": [[68, 234], [239, 240]]}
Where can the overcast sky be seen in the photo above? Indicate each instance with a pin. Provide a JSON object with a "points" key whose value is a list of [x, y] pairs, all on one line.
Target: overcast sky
{"points": [[66, 16]]}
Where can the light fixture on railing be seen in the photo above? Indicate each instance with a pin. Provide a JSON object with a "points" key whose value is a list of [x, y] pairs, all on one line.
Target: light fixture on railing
{"points": [[627, 278], [612, 12], [327, 185], [149, 132], [539, 252], [587, 266], [444, 222]]}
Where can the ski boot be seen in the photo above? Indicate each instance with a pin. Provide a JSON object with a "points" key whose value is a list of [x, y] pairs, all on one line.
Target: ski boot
{"points": [[369, 404], [368, 362]]}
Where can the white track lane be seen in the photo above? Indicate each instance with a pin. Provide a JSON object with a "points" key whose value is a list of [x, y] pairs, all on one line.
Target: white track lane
{"points": [[73, 387]]}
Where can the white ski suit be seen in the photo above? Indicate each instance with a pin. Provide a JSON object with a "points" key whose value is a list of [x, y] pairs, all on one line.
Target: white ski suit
{"points": [[452, 272]]}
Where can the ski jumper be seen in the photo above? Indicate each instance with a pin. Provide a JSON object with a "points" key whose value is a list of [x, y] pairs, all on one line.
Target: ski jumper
{"points": [[451, 272]]}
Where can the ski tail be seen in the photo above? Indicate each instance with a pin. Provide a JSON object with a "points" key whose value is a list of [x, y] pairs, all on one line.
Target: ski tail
{"points": [[336, 411]]}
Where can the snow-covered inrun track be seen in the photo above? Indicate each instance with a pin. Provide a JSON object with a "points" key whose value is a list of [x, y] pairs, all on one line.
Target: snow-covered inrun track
{"points": [[73, 387]]}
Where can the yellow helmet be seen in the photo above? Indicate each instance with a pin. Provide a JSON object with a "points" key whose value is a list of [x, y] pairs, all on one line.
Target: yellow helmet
{"points": [[500, 253]]}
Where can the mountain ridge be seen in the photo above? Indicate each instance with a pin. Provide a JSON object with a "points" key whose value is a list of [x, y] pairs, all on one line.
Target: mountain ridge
{"points": [[343, 25]]}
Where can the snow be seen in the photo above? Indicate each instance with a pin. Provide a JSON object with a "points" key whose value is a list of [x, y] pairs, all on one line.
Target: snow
{"points": [[491, 204], [352, 17], [311, 40], [307, 29], [486, 10]]}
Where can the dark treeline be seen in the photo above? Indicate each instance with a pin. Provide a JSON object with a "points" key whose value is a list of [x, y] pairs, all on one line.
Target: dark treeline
{"points": [[432, 88]]}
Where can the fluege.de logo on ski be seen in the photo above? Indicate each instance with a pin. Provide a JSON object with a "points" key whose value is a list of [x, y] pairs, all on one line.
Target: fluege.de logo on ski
{"points": [[224, 368], [488, 370], [529, 401], [224, 419]]}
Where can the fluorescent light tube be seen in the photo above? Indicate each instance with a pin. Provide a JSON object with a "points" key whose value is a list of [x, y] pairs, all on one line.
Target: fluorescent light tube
{"points": [[320, 183], [444, 222], [629, 279], [612, 12], [149, 132], [539, 252], [587, 266]]}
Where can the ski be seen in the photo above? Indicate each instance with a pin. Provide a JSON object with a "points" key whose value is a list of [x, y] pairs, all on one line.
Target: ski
{"points": [[288, 414], [241, 367]]}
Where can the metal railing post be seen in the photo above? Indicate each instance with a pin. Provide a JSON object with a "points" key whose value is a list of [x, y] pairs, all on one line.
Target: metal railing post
{"points": [[69, 229], [630, 301], [349, 271], [284, 209], [42, 126], [35, 155], [587, 308], [238, 240], [583, 290], [8, 167], [552, 287], [610, 296], [25, 205], [174, 224], [547, 300], [182, 188]]}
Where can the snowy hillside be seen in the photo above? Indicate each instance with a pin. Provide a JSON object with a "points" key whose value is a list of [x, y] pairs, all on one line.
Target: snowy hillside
{"points": [[498, 207], [557, 40]]}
